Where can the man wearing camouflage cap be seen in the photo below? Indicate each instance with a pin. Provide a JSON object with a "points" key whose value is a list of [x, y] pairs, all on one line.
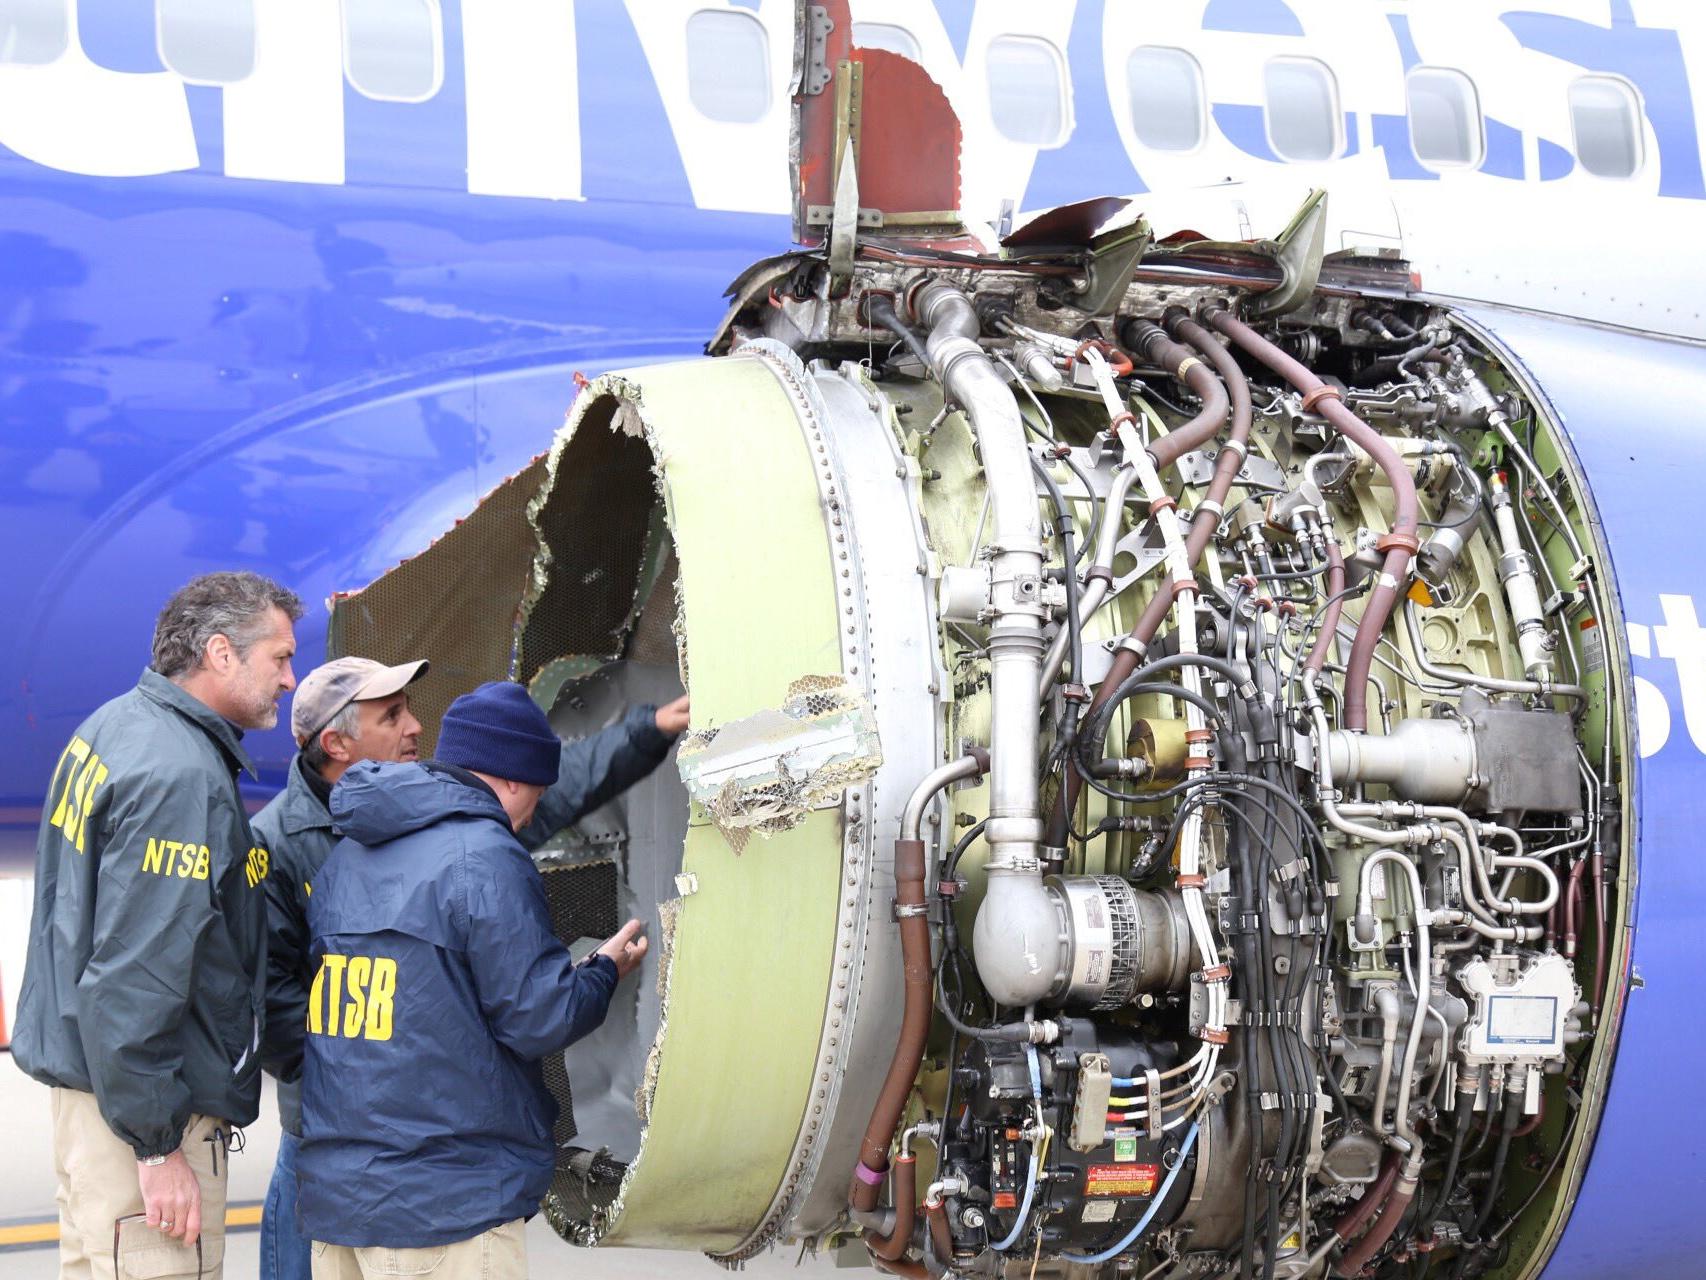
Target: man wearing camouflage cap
{"points": [[349, 710]]}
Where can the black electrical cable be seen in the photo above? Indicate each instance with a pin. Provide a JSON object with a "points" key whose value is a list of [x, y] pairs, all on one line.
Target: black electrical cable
{"points": [[1464, 1119], [1098, 510], [1508, 1123], [1479, 491], [1131, 687], [1069, 562], [952, 862], [879, 309], [1181, 410]]}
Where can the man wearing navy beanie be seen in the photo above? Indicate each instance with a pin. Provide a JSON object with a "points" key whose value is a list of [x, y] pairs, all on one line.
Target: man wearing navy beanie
{"points": [[440, 986]]}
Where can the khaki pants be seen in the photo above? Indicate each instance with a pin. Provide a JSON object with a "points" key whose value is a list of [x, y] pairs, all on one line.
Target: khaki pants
{"points": [[98, 1186], [498, 1254]]}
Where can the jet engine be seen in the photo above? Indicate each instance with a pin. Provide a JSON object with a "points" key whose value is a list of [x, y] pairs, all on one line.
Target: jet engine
{"points": [[1155, 799], [1158, 795]]}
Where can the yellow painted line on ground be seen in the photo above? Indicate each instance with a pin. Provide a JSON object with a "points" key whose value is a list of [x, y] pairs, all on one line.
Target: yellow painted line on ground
{"points": [[238, 1215], [30, 1233]]}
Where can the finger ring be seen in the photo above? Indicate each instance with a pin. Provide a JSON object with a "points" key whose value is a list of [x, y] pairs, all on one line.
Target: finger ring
{"points": [[165, 1222]]}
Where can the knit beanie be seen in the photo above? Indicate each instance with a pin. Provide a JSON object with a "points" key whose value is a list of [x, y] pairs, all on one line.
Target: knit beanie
{"points": [[499, 730]]}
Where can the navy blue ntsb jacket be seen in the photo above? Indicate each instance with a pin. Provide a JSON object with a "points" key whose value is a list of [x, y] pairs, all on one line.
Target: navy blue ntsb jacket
{"points": [[438, 988]]}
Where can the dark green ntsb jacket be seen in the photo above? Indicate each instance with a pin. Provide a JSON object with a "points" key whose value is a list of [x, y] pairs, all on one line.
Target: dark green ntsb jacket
{"points": [[145, 976]]}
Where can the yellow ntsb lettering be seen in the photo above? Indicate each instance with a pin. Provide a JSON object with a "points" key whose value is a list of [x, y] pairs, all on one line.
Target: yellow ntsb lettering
{"points": [[184, 859], [256, 866], [77, 797], [352, 997]]}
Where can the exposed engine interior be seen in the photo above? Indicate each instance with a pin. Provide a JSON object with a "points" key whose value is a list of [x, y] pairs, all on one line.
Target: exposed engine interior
{"points": [[1272, 940], [1158, 797]]}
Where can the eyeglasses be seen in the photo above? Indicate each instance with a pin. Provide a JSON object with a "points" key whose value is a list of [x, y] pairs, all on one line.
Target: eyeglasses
{"points": [[118, 1239]]}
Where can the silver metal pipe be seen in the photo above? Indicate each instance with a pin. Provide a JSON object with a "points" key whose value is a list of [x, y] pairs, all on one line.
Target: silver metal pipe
{"points": [[1017, 940], [1097, 590], [1404, 1131], [1516, 571], [939, 778], [1494, 683], [1386, 1002]]}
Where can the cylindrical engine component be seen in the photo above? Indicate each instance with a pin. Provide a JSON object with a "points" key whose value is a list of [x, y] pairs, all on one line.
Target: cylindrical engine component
{"points": [[1038, 367], [1160, 742], [1432, 761], [1516, 571], [1120, 941]]}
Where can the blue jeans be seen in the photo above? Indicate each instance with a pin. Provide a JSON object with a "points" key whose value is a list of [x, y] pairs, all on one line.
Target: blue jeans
{"points": [[284, 1249]]}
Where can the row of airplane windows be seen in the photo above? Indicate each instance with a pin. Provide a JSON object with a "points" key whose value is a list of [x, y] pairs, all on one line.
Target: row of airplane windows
{"points": [[394, 52]]}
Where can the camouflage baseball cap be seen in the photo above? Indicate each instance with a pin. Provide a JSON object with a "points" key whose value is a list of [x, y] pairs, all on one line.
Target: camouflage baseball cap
{"points": [[328, 689]]}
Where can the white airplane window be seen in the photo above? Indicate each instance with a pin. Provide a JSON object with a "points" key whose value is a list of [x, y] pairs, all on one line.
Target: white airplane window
{"points": [[1445, 118], [394, 49], [1302, 109], [1164, 88], [1605, 114], [1027, 90], [883, 35], [206, 41], [728, 65], [33, 32]]}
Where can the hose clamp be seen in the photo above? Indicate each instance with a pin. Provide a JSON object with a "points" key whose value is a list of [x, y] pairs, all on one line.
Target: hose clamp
{"points": [[1396, 541], [1326, 391]]}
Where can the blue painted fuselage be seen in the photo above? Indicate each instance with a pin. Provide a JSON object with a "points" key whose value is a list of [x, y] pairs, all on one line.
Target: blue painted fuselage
{"points": [[200, 372]]}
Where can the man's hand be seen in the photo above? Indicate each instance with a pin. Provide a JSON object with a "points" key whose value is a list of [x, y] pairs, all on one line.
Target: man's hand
{"points": [[172, 1196], [672, 719], [627, 947]]}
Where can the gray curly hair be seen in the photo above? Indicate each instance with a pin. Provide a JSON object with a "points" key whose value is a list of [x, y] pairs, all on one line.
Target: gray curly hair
{"points": [[234, 605]]}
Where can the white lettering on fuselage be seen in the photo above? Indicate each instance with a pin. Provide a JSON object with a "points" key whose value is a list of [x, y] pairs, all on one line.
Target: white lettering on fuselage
{"points": [[525, 122], [1682, 640]]}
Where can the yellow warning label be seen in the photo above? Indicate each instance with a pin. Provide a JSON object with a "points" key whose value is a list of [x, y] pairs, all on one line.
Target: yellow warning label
{"points": [[1421, 595], [1121, 1179]]}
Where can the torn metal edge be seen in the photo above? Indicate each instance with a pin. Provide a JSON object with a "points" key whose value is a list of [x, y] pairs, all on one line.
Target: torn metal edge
{"points": [[765, 772], [628, 417]]}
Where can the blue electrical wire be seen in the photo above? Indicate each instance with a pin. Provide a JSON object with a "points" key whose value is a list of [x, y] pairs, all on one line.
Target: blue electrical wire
{"points": [[1031, 1180], [1143, 1222]]}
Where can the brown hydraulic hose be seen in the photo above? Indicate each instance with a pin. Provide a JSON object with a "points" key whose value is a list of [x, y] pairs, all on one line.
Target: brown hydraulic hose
{"points": [[1573, 908], [1400, 545], [1229, 388], [1533, 1122], [1187, 366], [936, 1216], [1357, 1256], [1351, 1221], [1597, 861], [914, 1027], [1335, 606], [911, 1270], [904, 1197]]}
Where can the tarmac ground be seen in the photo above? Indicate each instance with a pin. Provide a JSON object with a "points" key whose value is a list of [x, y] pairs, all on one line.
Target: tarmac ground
{"points": [[29, 1220]]}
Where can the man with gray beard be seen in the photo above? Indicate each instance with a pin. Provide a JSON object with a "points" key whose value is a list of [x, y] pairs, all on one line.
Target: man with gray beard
{"points": [[144, 986]]}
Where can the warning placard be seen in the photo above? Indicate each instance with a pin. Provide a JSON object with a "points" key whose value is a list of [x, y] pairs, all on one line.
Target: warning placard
{"points": [[1121, 1179]]}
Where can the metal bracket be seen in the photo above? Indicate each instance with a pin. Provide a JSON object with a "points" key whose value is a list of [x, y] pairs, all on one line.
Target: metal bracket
{"points": [[817, 73], [844, 218], [1108, 270], [843, 224], [1298, 250], [1197, 467], [823, 215]]}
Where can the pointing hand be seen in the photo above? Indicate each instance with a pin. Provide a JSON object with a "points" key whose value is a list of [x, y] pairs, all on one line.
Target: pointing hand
{"points": [[626, 947], [672, 719]]}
